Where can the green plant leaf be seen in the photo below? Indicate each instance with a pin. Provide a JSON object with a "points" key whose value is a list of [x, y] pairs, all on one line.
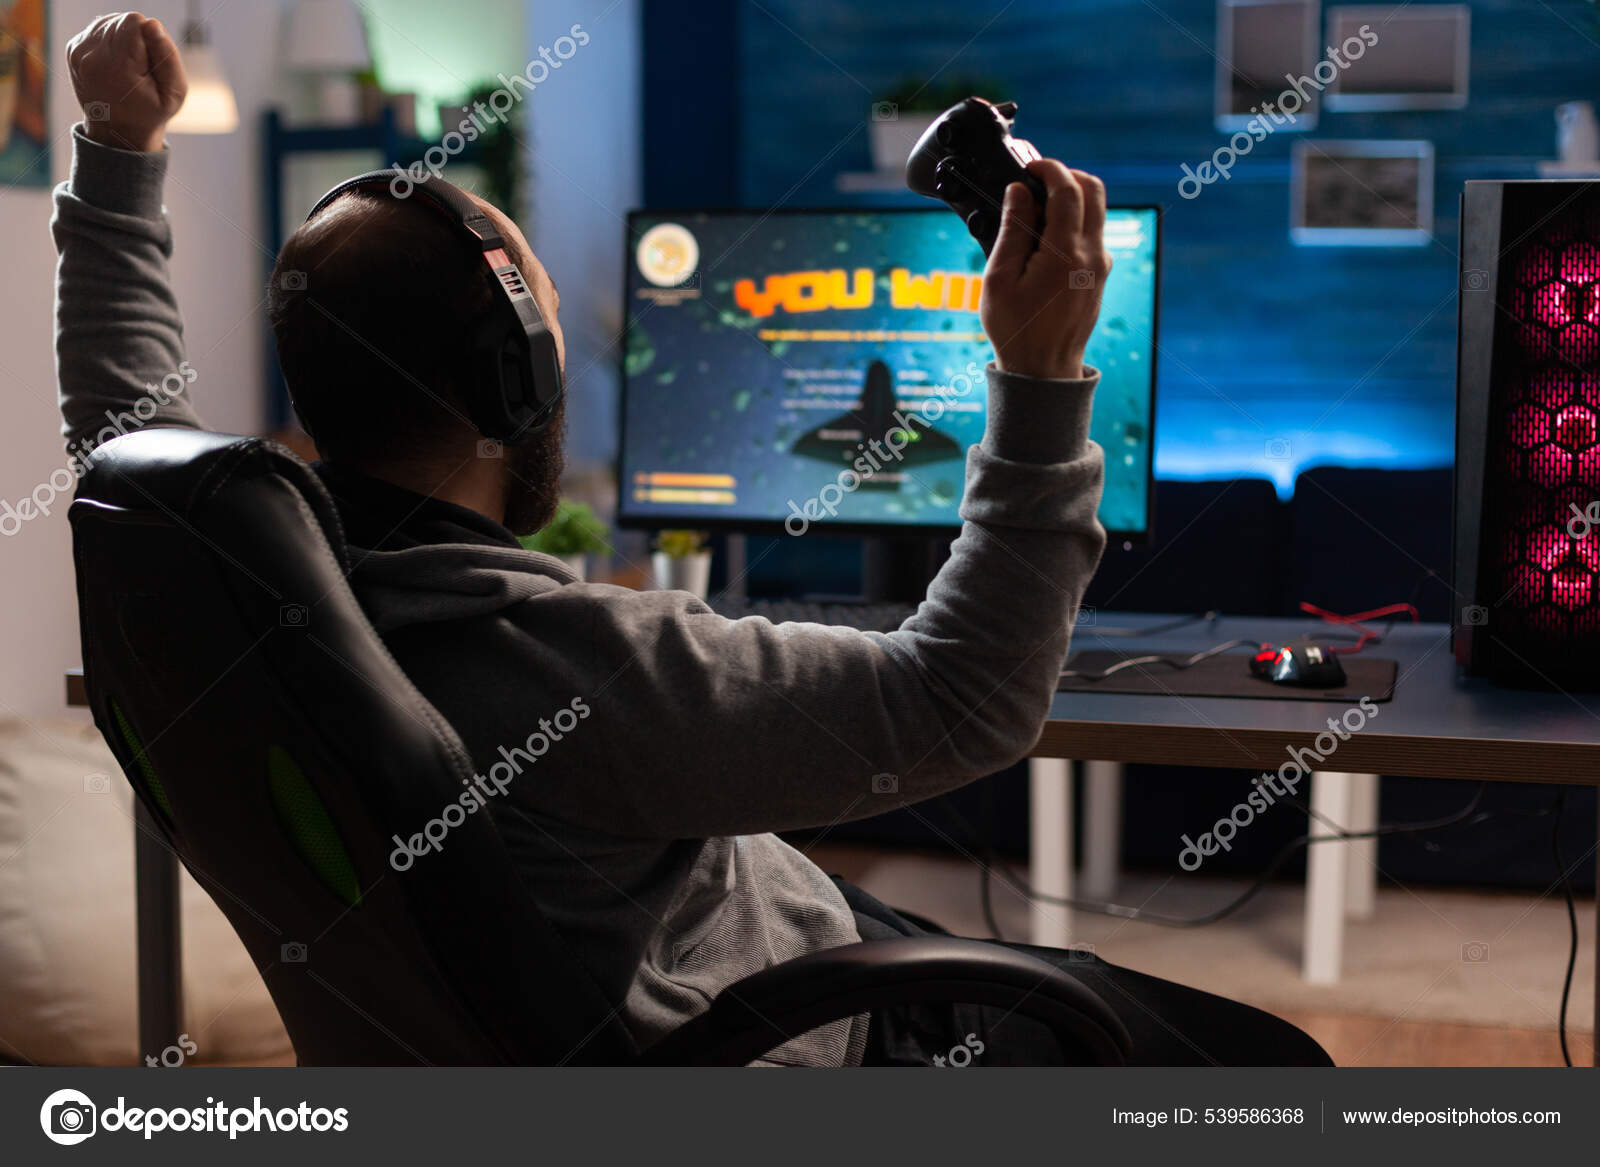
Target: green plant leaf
{"points": [[576, 530]]}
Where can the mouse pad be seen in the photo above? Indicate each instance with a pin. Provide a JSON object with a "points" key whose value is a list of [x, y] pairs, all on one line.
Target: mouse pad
{"points": [[1227, 675]]}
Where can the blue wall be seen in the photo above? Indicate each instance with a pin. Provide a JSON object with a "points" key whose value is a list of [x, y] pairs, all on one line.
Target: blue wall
{"points": [[1345, 354]]}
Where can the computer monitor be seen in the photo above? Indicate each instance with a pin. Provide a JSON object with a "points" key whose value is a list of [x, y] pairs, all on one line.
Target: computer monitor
{"points": [[823, 370]]}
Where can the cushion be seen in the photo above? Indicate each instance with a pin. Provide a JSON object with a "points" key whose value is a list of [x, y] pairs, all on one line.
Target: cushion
{"points": [[68, 970]]}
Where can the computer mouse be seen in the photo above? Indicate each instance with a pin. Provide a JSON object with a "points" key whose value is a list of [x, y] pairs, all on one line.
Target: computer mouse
{"points": [[1310, 666]]}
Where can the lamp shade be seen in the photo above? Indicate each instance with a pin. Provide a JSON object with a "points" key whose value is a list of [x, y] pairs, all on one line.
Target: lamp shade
{"points": [[327, 36], [209, 108]]}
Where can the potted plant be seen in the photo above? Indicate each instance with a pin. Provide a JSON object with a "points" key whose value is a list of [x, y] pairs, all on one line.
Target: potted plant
{"points": [[682, 562], [909, 108], [571, 536]]}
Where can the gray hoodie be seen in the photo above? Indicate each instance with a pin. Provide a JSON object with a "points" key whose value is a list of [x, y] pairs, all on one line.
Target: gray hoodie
{"points": [[640, 748]]}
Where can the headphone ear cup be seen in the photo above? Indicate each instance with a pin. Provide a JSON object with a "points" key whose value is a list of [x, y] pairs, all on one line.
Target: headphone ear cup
{"points": [[516, 388], [484, 396], [505, 401]]}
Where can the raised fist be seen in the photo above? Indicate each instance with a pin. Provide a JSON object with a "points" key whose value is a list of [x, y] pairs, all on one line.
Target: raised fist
{"points": [[1041, 290], [128, 78]]}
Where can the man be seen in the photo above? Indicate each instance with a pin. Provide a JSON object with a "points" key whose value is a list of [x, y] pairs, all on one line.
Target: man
{"points": [[672, 741]]}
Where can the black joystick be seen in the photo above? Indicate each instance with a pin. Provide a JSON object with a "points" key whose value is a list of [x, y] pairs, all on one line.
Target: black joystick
{"points": [[967, 158]]}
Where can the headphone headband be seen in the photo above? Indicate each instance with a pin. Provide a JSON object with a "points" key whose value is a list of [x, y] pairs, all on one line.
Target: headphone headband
{"points": [[515, 381]]}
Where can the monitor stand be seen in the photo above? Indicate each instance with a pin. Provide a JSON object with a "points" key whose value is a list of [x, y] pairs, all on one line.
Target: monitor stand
{"points": [[899, 570], [893, 570], [736, 560]]}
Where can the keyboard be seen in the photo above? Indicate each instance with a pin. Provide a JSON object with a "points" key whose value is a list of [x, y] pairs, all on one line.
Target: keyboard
{"points": [[869, 617]]}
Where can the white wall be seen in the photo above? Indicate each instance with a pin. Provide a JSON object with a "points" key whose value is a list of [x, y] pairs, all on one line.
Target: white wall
{"points": [[213, 198]]}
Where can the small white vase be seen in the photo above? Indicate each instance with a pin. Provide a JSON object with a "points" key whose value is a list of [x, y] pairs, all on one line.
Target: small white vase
{"points": [[682, 573], [579, 564]]}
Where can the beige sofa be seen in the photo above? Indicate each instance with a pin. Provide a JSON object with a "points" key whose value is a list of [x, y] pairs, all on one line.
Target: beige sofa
{"points": [[67, 951]]}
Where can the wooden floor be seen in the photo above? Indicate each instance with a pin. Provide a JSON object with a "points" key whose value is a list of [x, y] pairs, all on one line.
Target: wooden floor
{"points": [[1350, 1039], [1375, 1041], [1372, 1041], [1353, 1039]]}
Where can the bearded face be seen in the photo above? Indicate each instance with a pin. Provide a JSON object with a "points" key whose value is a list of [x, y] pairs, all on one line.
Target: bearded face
{"points": [[533, 471]]}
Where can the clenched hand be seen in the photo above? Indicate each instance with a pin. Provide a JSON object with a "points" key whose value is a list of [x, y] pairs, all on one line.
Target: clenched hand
{"points": [[128, 78], [1041, 290]]}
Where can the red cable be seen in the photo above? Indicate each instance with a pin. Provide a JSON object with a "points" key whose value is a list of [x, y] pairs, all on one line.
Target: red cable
{"points": [[1354, 621]]}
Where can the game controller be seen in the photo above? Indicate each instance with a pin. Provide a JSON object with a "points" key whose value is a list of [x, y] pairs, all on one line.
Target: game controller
{"points": [[967, 158]]}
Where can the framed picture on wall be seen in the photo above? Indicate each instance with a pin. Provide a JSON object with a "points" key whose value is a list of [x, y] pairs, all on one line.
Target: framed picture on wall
{"points": [[1262, 46], [24, 83], [1361, 194], [1400, 56]]}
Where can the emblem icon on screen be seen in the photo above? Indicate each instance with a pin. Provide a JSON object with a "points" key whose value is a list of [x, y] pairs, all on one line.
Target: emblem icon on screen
{"points": [[668, 255]]}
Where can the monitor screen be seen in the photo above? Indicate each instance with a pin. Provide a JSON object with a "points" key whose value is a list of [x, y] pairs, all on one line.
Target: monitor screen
{"points": [[825, 369]]}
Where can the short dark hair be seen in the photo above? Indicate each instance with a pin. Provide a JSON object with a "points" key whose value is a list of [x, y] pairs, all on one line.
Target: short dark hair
{"points": [[368, 310]]}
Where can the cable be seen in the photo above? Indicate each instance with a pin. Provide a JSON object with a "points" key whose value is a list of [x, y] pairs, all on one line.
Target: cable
{"points": [[984, 890], [1208, 617], [1364, 636], [1172, 662], [1125, 912], [1572, 922], [1367, 635]]}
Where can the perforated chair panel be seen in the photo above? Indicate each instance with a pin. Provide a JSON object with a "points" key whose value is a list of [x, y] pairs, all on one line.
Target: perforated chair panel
{"points": [[305, 819], [284, 749], [147, 780]]}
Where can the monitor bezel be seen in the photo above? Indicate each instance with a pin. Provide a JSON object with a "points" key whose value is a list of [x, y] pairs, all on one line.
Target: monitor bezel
{"points": [[746, 526]]}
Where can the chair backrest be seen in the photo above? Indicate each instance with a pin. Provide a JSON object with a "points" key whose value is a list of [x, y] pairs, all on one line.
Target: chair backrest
{"points": [[262, 721]]}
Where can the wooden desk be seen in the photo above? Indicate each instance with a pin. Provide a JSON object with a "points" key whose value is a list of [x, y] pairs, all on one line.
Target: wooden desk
{"points": [[1439, 725]]}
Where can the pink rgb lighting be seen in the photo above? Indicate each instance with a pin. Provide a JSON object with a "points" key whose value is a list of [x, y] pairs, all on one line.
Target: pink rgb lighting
{"points": [[1550, 416]]}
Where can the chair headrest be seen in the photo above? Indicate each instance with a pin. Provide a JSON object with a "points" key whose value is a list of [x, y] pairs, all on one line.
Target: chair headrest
{"points": [[176, 471]]}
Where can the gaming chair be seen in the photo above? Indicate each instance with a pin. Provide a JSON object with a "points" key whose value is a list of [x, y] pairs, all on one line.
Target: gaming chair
{"points": [[275, 748]]}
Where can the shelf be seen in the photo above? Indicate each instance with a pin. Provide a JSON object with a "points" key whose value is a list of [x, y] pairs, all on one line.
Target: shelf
{"points": [[1569, 170]]}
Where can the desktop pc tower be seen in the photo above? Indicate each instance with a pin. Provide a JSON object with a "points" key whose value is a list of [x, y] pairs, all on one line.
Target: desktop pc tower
{"points": [[1527, 493]]}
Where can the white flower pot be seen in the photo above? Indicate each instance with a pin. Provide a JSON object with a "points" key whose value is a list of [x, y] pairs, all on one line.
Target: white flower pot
{"points": [[579, 564], [685, 573], [892, 138]]}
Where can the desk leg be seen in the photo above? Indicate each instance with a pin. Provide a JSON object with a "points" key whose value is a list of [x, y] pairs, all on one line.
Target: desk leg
{"points": [[1102, 829], [1327, 875], [160, 936], [1050, 848], [1361, 888]]}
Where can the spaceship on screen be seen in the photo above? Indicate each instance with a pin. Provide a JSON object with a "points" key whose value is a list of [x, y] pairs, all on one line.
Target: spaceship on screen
{"points": [[840, 439]]}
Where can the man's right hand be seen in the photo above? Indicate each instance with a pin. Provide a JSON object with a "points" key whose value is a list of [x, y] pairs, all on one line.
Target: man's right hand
{"points": [[128, 78], [1041, 290]]}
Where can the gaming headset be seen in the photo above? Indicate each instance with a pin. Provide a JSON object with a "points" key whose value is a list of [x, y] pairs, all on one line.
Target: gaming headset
{"points": [[515, 381]]}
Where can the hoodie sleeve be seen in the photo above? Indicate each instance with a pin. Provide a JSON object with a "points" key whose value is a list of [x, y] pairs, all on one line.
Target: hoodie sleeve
{"points": [[710, 726], [119, 339]]}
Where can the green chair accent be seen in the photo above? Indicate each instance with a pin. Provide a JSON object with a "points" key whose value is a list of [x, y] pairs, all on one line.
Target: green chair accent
{"points": [[147, 771], [310, 826]]}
